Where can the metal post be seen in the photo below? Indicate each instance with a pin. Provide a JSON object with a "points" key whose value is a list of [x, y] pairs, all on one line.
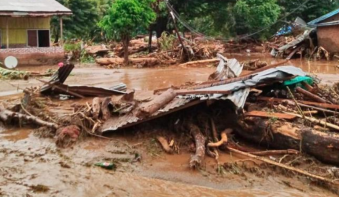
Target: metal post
{"points": [[61, 32], [7, 33]]}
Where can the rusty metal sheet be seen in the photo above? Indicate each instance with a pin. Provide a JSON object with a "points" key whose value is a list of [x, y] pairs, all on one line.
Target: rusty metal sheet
{"points": [[128, 120]]}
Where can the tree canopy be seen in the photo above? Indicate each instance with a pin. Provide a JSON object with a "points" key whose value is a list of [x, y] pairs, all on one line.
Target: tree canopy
{"points": [[216, 18], [126, 17]]}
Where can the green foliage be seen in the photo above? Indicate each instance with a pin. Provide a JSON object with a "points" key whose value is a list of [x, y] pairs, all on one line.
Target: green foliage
{"points": [[82, 24], [256, 14], [86, 58], [125, 17], [166, 41], [307, 11], [70, 47]]}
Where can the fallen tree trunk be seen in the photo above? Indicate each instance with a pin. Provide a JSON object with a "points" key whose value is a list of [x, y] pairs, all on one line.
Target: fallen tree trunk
{"points": [[157, 103], [146, 61], [283, 135], [7, 115], [200, 140], [278, 134], [324, 146]]}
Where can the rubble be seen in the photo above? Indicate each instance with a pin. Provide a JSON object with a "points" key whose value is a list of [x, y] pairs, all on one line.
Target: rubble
{"points": [[263, 107]]}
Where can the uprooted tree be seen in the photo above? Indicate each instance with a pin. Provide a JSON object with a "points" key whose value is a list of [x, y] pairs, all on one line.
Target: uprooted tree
{"points": [[124, 18]]}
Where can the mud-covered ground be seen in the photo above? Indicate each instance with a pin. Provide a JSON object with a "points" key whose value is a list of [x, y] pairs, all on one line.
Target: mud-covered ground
{"points": [[33, 166]]}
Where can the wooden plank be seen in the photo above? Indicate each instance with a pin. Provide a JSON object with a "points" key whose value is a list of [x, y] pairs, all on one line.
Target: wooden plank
{"points": [[324, 105], [270, 115]]}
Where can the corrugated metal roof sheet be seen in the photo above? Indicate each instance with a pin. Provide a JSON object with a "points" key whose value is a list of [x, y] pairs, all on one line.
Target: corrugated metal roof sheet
{"points": [[238, 97], [322, 18], [29, 6], [328, 24]]}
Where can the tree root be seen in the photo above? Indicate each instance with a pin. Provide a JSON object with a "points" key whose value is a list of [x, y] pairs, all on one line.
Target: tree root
{"points": [[223, 140]]}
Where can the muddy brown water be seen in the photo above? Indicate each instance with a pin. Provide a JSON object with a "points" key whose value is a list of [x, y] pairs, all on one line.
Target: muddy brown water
{"points": [[27, 161]]}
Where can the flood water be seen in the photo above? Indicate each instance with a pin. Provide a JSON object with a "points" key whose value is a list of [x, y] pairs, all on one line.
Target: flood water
{"points": [[160, 77]]}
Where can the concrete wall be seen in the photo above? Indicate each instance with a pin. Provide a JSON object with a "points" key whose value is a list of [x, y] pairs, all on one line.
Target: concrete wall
{"points": [[328, 37], [18, 29], [34, 56]]}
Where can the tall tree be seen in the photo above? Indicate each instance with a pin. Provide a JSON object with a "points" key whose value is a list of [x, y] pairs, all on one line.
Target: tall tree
{"points": [[255, 15], [124, 18], [306, 9]]}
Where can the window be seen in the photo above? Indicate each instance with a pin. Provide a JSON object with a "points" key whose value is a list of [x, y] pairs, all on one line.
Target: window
{"points": [[38, 38]]}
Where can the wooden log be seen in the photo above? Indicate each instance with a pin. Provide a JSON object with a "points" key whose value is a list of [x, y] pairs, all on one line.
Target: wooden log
{"points": [[275, 152], [267, 67], [148, 61], [308, 86], [310, 95], [164, 144], [157, 103], [200, 140], [323, 145], [277, 134], [106, 113], [7, 115], [96, 106], [270, 115], [199, 62]]}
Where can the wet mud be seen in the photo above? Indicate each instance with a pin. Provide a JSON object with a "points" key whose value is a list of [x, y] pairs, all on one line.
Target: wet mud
{"points": [[34, 166]]}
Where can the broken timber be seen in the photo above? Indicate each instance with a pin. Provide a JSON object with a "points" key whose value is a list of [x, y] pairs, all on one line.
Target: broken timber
{"points": [[271, 115]]}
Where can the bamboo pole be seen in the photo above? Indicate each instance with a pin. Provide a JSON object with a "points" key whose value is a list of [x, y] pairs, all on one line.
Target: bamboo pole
{"points": [[314, 120], [285, 166]]}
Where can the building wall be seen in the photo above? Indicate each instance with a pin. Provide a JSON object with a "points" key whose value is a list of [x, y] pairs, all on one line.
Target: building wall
{"points": [[328, 37], [34, 55], [18, 29]]}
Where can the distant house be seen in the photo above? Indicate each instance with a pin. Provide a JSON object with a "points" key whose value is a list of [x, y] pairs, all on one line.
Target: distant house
{"points": [[25, 29], [328, 31]]}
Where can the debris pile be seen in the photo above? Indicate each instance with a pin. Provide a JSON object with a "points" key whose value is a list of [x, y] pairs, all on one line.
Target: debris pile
{"points": [[17, 74], [169, 52], [277, 107]]}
